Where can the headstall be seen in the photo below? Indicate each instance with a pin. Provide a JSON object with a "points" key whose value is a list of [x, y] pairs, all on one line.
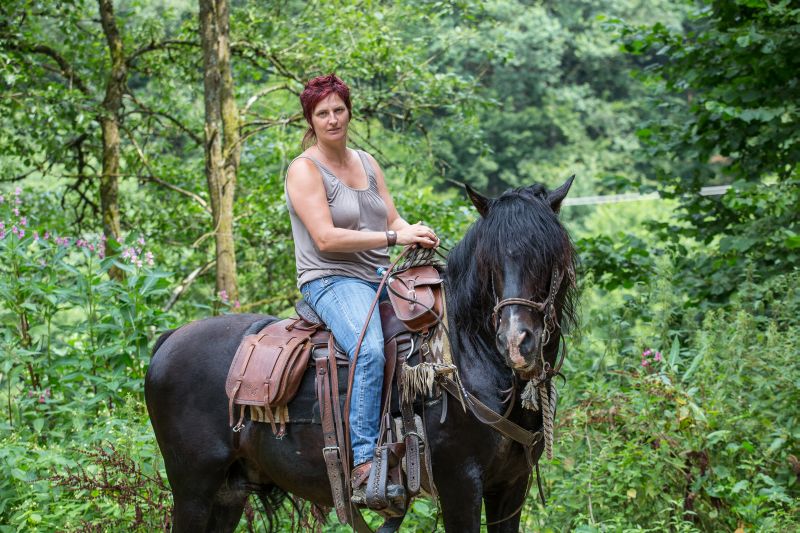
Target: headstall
{"points": [[549, 319]]}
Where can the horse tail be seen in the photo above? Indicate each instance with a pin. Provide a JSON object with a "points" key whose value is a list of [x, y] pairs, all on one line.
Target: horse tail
{"points": [[161, 340], [305, 514]]}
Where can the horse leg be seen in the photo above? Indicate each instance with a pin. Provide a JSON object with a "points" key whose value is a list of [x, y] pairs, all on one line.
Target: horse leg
{"points": [[229, 504], [504, 508], [225, 514], [195, 490], [460, 497]]}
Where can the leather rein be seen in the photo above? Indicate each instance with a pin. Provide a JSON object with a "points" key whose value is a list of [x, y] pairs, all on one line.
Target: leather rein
{"points": [[482, 412], [501, 423]]}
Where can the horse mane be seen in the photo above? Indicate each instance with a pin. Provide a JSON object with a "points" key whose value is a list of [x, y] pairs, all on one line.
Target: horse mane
{"points": [[519, 225]]}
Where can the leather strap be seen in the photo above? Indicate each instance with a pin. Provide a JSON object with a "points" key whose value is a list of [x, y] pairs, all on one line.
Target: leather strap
{"points": [[330, 452], [410, 436], [496, 421]]}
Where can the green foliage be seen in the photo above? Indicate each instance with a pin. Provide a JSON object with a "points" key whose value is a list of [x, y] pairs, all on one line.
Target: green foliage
{"points": [[559, 96], [494, 94], [686, 428], [76, 341], [728, 87]]}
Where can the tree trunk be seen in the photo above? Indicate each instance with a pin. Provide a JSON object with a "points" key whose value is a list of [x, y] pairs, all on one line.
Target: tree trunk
{"points": [[222, 149], [109, 123]]}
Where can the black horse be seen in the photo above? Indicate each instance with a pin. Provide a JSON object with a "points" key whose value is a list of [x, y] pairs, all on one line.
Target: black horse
{"points": [[509, 255]]}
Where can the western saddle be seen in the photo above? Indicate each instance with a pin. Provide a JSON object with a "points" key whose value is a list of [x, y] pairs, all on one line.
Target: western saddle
{"points": [[269, 365]]}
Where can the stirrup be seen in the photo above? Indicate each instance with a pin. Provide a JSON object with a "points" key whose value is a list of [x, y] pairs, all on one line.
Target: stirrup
{"points": [[395, 494]]}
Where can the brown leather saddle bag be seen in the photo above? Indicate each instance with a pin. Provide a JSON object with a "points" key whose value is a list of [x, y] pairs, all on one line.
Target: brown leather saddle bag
{"points": [[416, 295], [268, 368]]}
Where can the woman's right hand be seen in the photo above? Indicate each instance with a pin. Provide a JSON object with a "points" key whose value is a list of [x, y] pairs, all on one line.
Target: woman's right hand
{"points": [[417, 234]]}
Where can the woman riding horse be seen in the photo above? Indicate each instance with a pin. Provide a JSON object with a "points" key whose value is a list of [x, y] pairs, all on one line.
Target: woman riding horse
{"points": [[510, 288], [343, 223]]}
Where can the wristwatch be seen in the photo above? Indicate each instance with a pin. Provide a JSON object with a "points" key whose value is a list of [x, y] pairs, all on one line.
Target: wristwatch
{"points": [[391, 238]]}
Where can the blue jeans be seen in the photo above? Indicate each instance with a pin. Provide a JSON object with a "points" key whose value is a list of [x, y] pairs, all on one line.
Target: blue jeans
{"points": [[343, 302]]}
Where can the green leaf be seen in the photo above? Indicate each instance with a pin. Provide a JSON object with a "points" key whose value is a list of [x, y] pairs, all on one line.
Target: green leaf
{"points": [[716, 436], [674, 353], [693, 367]]}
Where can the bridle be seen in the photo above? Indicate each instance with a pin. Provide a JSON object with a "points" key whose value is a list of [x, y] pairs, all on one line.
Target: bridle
{"points": [[549, 319]]}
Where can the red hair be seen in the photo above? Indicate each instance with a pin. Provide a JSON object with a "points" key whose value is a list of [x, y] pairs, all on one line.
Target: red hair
{"points": [[316, 90]]}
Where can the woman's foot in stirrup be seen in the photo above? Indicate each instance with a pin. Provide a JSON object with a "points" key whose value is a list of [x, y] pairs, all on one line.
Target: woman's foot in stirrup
{"points": [[359, 477]]}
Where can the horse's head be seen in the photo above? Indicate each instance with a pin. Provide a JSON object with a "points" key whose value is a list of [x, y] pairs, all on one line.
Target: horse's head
{"points": [[526, 260]]}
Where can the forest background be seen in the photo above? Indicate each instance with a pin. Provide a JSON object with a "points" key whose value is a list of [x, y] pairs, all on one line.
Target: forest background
{"points": [[143, 146]]}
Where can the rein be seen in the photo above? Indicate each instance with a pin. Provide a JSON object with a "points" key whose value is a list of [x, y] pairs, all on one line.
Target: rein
{"points": [[483, 413]]}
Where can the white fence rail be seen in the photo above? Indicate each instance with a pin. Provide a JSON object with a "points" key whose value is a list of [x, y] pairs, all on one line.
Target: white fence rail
{"points": [[714, 190]]}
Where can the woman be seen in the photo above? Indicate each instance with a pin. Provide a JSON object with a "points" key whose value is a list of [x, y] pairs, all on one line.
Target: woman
{"points": [[343, 223]]}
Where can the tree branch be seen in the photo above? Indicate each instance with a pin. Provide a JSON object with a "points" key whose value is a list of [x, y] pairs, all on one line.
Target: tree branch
{"points": [[261, 125], [161, 182], [239, 48], [64, 67], [153, 46], [260, 94], [186, 283], [148, 111]]}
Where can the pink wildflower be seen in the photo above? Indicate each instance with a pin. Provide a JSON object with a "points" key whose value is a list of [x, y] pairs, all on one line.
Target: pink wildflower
{"points": [[18, 191], [91, 247], [101, 253], [16, 211], [647, 352], [21, 233], [141, 241], [46, 235], [236, 304], [149, 258], [35, 236], [223, 295], [23, 221], [47, 392], [15, 230], [645, 362], [657, 357], [30, 394], [139, 263]]}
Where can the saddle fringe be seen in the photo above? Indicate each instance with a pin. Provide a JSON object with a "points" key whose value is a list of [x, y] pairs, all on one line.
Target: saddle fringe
{"points": [[419, 380]]}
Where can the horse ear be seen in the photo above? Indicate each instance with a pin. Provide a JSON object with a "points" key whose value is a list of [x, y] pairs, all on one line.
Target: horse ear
{"points": [[480, 202], [557, 196]]}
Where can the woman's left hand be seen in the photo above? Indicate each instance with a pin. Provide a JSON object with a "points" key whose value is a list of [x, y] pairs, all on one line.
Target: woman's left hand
{"points": [[417, 234]]}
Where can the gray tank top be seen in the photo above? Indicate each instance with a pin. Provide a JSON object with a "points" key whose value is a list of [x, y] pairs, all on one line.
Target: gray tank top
{"points": [[355, 209]]}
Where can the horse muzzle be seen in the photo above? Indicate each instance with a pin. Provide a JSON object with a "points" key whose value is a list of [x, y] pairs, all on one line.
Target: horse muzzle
{"points": [[520, 347]]}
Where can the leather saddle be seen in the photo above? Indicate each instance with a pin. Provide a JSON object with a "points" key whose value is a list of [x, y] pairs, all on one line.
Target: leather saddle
{"points": [[269, 365]]}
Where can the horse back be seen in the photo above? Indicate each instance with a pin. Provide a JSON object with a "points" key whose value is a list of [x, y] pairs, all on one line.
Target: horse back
{"points": [[192, 361]]}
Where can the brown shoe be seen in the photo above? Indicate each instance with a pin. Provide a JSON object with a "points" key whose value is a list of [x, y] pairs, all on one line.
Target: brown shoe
{"points": [[358, 480]]}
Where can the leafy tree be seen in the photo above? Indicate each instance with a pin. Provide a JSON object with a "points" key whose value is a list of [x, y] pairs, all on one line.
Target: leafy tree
{"points": [[560, 97], [728, 89]]}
